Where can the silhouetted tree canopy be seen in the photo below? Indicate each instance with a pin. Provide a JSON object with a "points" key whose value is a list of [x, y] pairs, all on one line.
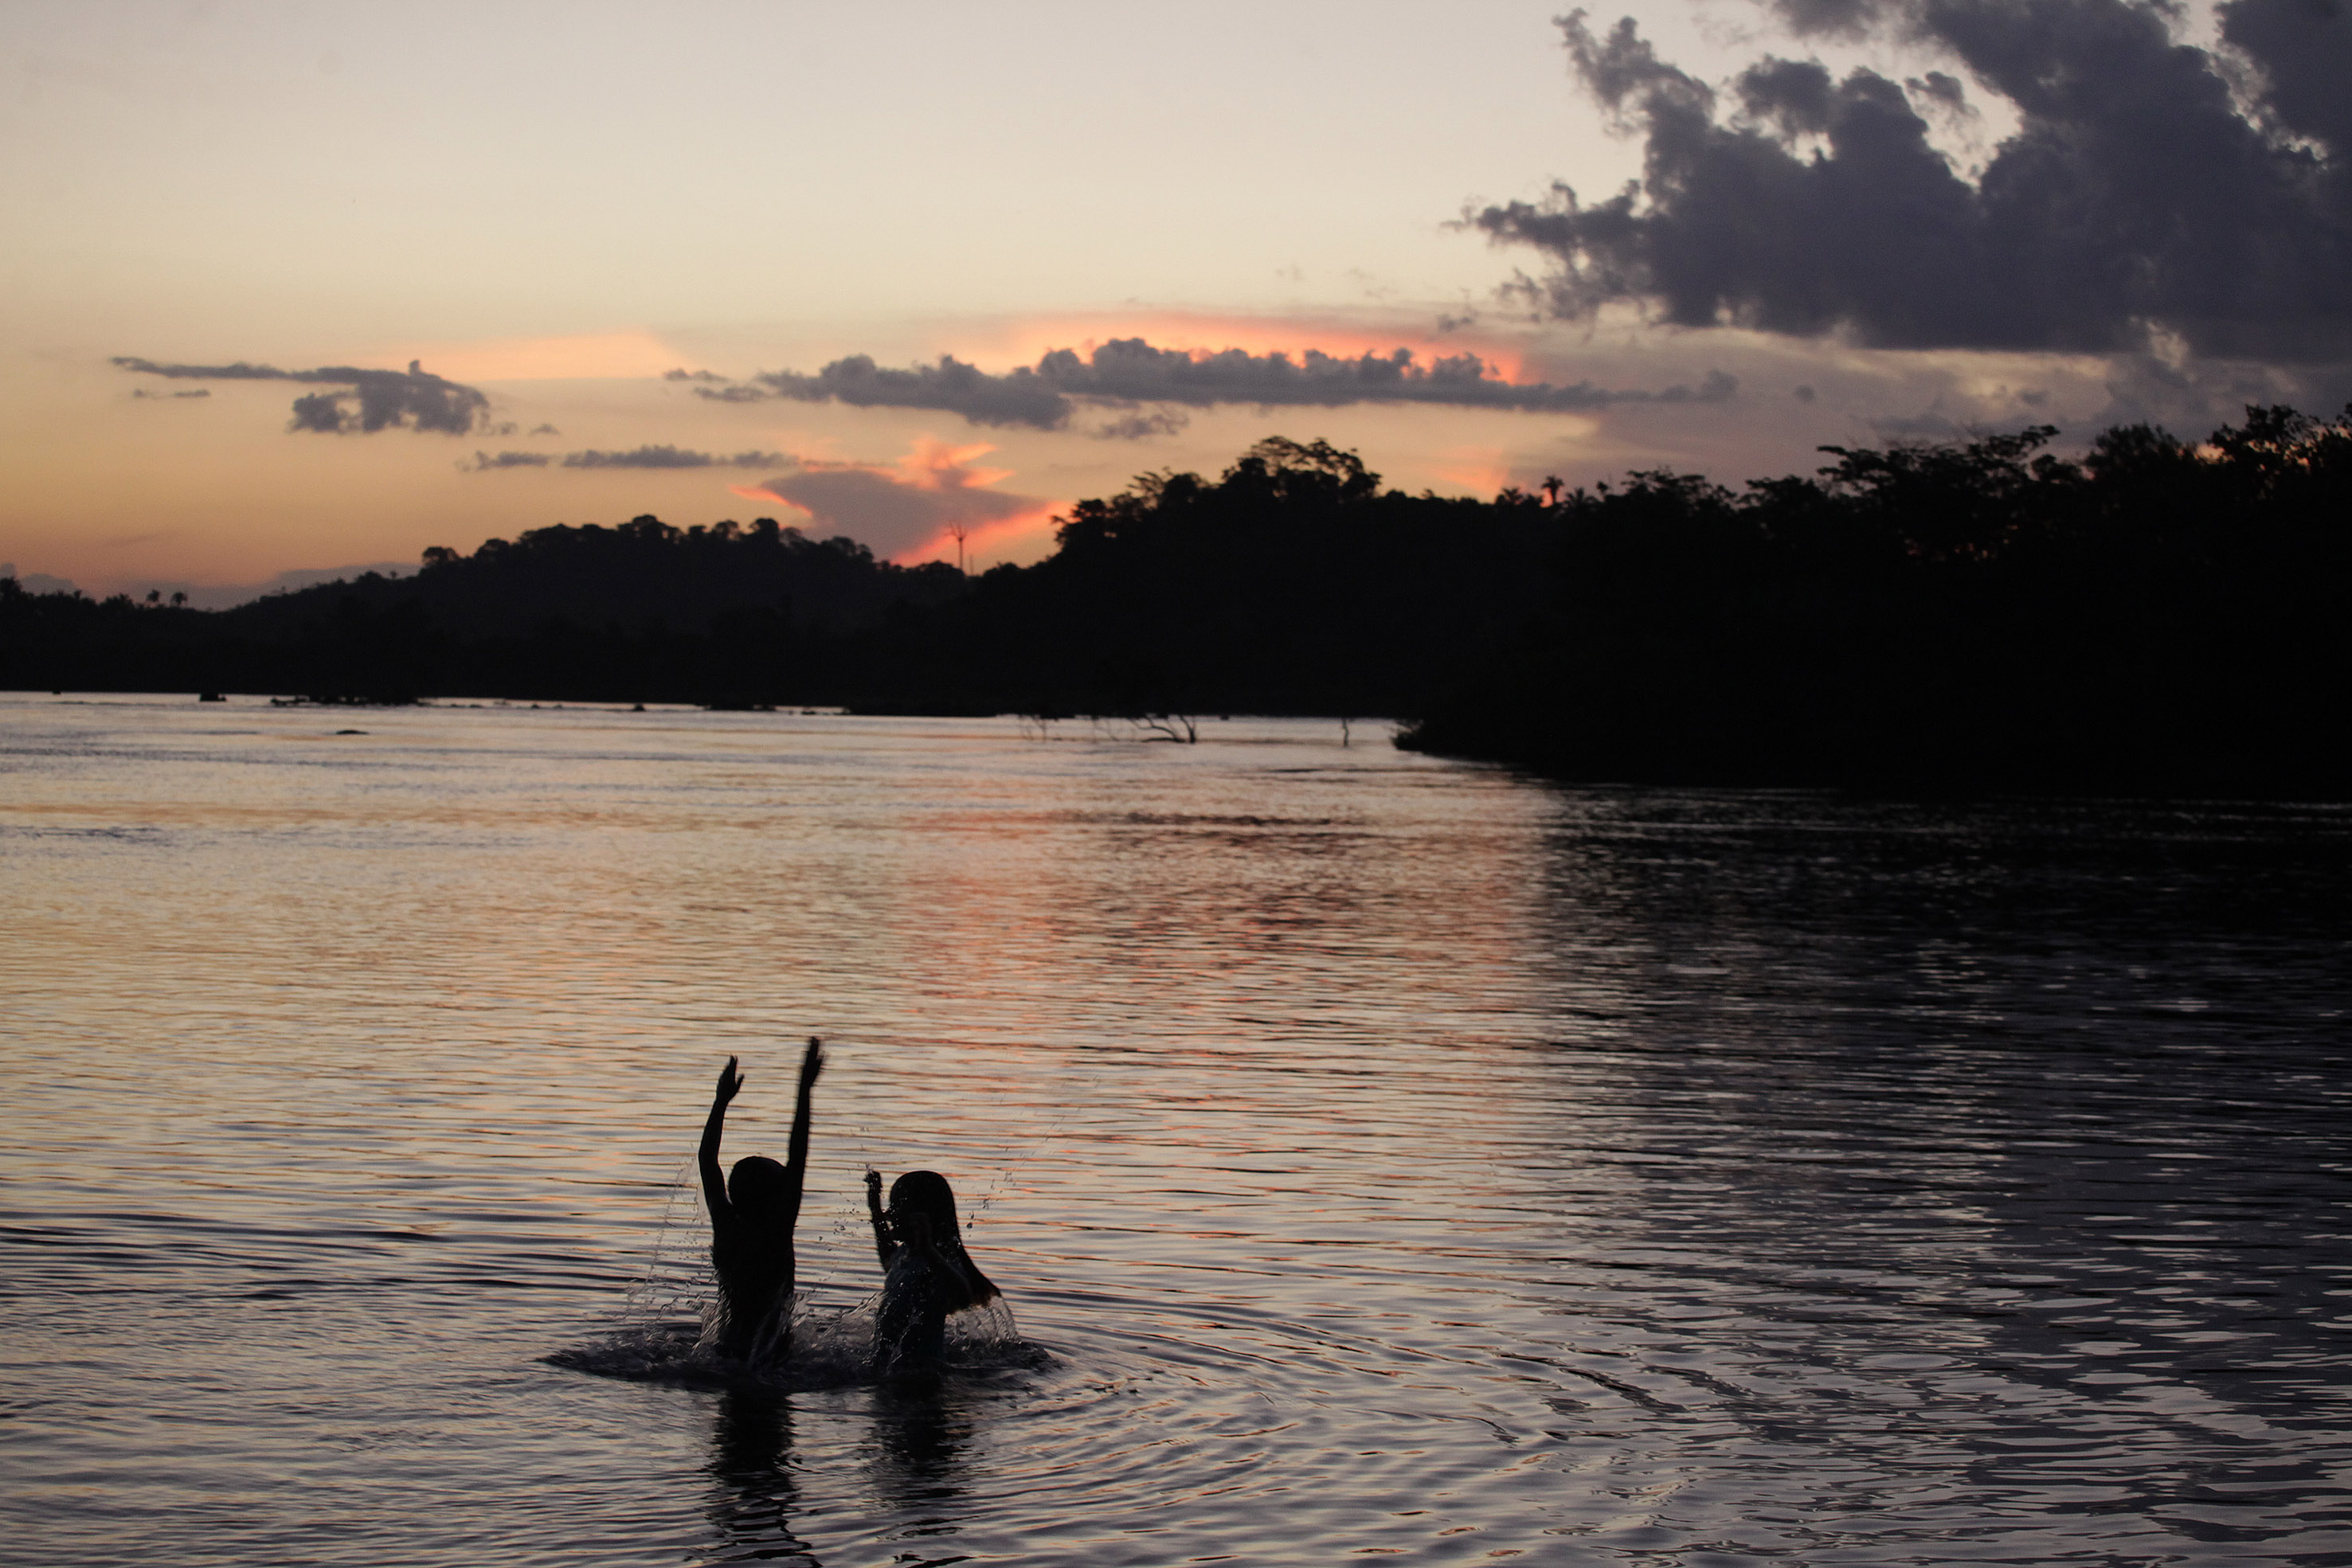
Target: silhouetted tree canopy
{"points": [[641, 612], [1291, 585], [2158, 614]]}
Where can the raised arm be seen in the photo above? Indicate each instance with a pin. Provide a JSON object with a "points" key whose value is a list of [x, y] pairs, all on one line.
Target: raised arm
{"points": [[796, 1150], [883, 1248], [714, 1185]]}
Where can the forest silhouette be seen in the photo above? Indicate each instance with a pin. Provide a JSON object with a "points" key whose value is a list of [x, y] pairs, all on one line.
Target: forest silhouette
{"points": [[2160, 614]]}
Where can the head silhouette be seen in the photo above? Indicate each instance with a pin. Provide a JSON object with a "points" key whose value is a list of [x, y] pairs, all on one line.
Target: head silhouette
{"points": [[758, 1187], [922, 1206], [928, 1195]]}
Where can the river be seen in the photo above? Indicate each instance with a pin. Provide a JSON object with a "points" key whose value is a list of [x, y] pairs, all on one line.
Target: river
{"points": [[1382, 1156]]}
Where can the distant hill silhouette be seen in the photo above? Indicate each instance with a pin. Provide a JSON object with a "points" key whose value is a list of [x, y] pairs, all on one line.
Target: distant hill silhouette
{"points": [[2157, 615], [643, 612]]}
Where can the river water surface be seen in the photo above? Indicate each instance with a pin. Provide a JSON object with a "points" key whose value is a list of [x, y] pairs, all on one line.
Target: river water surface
{"points": [[1382, 1156]]}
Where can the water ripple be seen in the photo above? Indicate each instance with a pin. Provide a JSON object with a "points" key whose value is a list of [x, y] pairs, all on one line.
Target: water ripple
{"points": [[1383, 1157]]}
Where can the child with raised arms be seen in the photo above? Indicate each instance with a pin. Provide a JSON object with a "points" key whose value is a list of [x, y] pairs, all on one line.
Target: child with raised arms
{"points": [[752, 1213]]}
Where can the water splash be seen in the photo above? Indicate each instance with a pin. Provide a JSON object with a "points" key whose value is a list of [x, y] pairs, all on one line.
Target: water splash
{"points": [[668, 1326], [825, 1349]]}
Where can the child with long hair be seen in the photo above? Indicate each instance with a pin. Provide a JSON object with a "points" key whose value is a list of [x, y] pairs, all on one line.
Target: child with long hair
{"points": [[927, 1273]]}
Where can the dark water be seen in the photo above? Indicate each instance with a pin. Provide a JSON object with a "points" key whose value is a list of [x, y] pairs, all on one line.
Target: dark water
{"points": [[1381, 1158]]}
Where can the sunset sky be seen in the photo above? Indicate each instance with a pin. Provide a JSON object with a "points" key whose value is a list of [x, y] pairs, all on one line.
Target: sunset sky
{"points": [[706, 261]]}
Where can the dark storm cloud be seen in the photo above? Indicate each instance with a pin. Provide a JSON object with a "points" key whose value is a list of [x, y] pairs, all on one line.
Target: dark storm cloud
{"points": [[2304, 48], [1796, 97], [1938, 88], [672, 457], [1828, 18], [2134, 194], [362, 402], [1128, 372]]}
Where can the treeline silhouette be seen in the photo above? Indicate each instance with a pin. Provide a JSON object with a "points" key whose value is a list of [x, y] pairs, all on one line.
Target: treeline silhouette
{"points": [[2160, 614], [643, 612], [1293, 584]]}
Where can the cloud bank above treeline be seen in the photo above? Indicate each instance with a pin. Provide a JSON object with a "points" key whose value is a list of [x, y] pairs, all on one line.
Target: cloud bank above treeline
{"points": [[1131, 374]]}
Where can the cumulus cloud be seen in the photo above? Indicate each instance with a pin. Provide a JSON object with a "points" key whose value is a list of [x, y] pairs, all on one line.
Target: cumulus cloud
{"points": [[2151, 187], [1129, 373], [901, 507], [362, 401]]}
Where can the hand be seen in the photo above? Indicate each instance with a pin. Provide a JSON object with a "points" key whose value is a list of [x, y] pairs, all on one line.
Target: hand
{"points": [[812, 1061], [874, 1183], [731, 1083]]}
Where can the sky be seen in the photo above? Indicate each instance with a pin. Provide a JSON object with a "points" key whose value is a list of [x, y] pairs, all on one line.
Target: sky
{"points": [[289, 289]]}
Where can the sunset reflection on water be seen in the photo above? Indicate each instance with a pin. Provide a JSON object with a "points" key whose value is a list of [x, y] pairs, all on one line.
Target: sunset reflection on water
{"points": [[1382, 1155]]}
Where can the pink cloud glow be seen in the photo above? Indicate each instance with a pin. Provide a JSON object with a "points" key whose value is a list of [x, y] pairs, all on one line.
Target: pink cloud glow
{"points": [[910, 510]]}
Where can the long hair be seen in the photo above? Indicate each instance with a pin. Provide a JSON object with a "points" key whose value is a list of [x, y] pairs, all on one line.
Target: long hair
{"points": [[927, 1193]]}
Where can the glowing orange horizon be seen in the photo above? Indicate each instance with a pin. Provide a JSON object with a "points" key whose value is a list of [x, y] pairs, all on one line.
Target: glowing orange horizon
{"points": [[1478, 469], [930, 464], [630, 354], [942, 545]]}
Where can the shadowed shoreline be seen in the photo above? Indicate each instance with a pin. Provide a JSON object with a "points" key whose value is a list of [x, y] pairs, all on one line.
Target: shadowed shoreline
{"points": [[2157, 616]]}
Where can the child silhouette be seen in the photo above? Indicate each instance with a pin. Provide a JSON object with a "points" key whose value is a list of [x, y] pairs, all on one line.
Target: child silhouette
{"points": [[927, 1272], [752, 1213]]}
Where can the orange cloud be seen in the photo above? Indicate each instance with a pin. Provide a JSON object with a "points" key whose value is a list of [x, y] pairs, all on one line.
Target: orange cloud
{"points": [[937, 465], [910, 510]]}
